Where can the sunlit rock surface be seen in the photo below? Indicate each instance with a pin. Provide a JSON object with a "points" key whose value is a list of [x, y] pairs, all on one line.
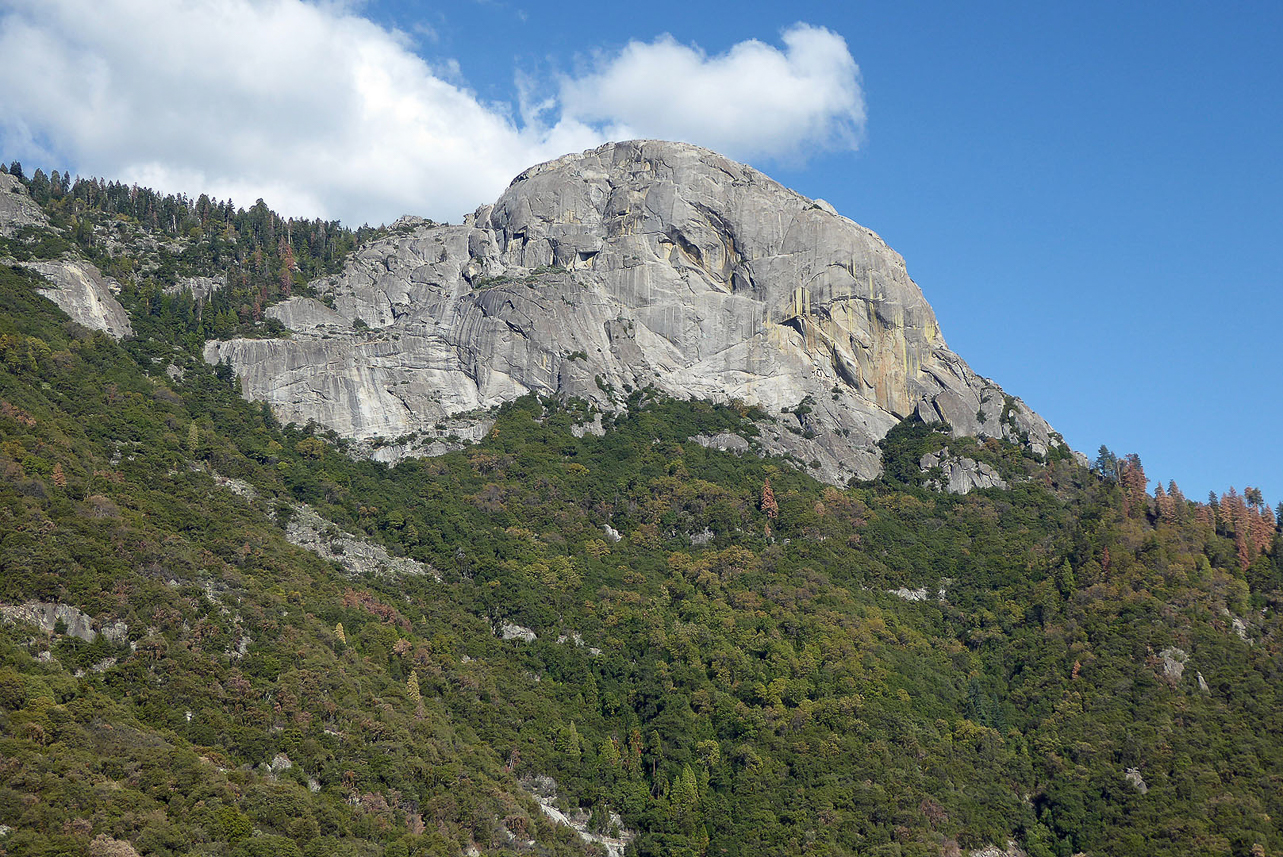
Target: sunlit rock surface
{"points": [[634, 264]]}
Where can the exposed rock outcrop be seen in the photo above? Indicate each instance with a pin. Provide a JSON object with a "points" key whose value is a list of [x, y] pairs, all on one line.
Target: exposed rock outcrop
{"points": [[613, 844], [959, 475], [46, 615], [1012, 850], [634, 264], [1133, 776], [200, 288], [513, 631], [75, 285], [55, 617], [1172, 661], [17, 208], [310, 531], [84, 293]]}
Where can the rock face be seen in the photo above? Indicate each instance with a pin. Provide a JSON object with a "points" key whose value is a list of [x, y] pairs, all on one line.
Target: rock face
{"points": [[82, 292], [46, 615], [200, 288], [311, 532], [1172, 661], [544, 790], [17, 208], [308, 530], [634, 264], [76, 286], [959, 475]]}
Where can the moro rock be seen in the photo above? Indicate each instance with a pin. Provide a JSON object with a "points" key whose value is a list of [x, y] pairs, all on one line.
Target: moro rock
{"points": [[631, 265]]}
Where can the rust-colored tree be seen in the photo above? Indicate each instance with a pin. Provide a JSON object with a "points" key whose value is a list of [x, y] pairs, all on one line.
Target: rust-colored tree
{"points": [[769, 506], [1163, 503], [1134, 484], [1260, 520], [1248, 519]]}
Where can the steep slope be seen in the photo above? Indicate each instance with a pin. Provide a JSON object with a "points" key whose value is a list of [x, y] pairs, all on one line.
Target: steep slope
{"points": [[634, 264], [720, 668], [75, 285]]}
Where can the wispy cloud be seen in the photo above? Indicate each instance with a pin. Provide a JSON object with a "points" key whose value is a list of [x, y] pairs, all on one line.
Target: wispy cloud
{"points": [[322, 112]]}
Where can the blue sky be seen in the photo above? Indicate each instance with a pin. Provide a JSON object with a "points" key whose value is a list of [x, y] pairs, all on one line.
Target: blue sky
{"points": [[1091, 196]]}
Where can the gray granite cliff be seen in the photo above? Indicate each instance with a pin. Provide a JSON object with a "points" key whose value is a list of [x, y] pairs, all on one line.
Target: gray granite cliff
{"points": [[633, 264], [75, 285]]}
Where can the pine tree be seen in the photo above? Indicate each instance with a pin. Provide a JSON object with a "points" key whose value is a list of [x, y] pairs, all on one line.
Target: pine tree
{"points": [[1179, 502], [1163, 502], [338, 633], [1134, 484], [769, 505], [412, 688], [569, 743], [1106, 465], [1243, 548], [685, 792]]}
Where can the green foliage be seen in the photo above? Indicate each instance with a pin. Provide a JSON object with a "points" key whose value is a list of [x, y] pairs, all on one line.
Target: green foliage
{"points": [[758, 694], [150, 241], [903, 448]]}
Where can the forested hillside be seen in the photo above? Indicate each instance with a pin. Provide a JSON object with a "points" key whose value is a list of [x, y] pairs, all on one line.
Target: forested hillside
{"points": [[733, 657]]}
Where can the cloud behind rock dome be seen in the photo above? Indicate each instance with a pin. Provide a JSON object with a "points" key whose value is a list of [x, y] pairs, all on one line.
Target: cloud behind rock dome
{"points": [[324, 113], [754, 100]]}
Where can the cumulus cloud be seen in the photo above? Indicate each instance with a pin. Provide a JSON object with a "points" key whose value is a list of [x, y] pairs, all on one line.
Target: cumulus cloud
{"points": [[754, 100], [323, 113]]}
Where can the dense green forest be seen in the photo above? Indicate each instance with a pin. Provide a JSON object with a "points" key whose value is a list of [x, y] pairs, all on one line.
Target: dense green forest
{"points": [[720, 655]]}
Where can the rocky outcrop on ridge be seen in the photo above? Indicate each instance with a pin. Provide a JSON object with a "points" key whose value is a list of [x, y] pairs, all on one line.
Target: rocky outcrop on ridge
{"points": [[75, 285], [53, 617], [17, 208], [633, 264], [958, 474]]}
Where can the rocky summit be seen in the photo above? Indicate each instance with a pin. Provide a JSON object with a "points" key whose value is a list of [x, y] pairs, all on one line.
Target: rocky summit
{"points": [[634, 264]]}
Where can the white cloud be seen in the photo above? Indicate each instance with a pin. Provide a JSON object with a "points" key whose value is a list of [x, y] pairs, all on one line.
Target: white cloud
{"points": [[751, 101], [322, 112]]}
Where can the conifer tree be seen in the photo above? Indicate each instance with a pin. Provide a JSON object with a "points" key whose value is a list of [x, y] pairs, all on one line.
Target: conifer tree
{"points": [[1163, 502], [685, 792], [1131, 475], [1178, 500], [412, 688], [769, 505], [569, 742]]}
